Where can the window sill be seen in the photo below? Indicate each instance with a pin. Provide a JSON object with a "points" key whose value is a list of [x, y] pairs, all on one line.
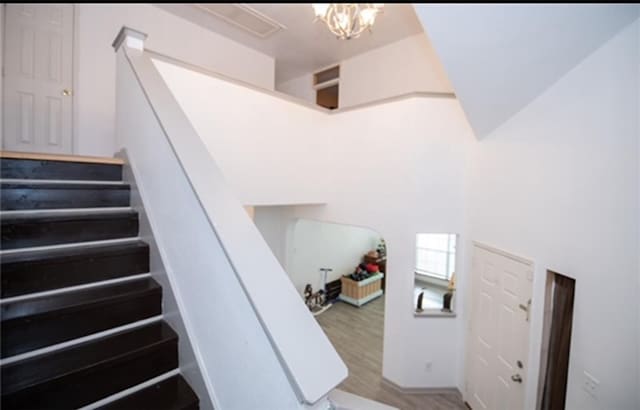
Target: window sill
{"points": [[431, 280], [434, 313]]}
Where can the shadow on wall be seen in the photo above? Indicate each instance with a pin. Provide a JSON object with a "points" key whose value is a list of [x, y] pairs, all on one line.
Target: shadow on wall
{"points": [[320, 245], [304, 247]]}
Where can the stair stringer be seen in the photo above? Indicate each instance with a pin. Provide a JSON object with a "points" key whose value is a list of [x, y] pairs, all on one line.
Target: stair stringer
{"points": [[170, 308]]}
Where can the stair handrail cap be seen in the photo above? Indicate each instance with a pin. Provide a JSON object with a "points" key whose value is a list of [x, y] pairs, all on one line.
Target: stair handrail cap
{"points": [[135, 39]]}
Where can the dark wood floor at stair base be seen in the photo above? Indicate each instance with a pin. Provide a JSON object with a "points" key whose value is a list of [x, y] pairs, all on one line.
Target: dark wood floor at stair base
{"points": [[357, 335]]}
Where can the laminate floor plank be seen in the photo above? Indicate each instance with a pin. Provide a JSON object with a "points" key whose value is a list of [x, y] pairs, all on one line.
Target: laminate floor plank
{"points": [[357, 335]]}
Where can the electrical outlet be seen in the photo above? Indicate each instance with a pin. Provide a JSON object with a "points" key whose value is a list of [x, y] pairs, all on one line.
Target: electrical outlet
{"points": [[590, 384], [427, 366]]}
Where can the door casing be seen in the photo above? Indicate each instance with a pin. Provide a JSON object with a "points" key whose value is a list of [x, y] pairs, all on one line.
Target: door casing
{"points": [[522, 353]]}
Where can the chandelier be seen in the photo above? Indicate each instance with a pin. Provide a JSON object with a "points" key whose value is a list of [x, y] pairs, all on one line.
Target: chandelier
{"points": [[347, 20]]}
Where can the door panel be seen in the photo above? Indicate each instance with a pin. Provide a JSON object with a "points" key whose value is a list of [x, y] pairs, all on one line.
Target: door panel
{"points": [[499, 331], [38, 68]]}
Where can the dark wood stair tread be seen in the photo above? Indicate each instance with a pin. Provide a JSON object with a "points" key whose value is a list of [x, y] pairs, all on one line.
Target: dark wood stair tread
{"points": [[81, 374], [39, 322], [171, 394], [42, 270], [46, 217], [19, 168], [76, 299], [51, 228], [28, 196], [43, 199]]}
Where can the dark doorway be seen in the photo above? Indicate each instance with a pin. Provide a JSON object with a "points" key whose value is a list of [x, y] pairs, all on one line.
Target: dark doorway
{"points": [[557, 341], [328, 97]]}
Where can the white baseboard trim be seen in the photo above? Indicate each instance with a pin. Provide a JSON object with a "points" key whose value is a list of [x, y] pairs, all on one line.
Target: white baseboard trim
{"points": [[421, 390], [341, 400]]}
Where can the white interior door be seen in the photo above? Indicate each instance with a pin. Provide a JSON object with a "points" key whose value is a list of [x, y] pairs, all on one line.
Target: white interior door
{"points": [[498, 341], [37, 77]]}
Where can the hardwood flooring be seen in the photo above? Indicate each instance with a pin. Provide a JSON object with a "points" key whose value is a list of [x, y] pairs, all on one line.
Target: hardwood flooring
{"points": [[357, 334]]}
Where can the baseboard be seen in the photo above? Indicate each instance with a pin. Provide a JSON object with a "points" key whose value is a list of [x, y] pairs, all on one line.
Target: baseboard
{"points": [[421, 390]]}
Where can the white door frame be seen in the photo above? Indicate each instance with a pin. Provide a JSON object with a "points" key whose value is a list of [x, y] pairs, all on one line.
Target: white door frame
{"points": [[74, 66], [532, 371]]}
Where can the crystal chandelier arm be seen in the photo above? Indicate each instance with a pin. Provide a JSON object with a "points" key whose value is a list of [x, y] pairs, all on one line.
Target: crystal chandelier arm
{"points": [[347, 20]]}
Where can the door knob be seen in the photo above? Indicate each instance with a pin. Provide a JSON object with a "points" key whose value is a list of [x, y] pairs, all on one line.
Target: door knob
{"points": [[516, 378], [66, 92]]}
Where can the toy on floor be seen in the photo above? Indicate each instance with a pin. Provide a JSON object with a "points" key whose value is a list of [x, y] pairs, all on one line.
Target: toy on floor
{"points": [[314, 301]]}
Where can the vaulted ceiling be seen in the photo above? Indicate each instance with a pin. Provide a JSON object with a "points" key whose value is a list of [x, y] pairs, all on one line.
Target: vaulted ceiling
{"points": [[500, 57]]}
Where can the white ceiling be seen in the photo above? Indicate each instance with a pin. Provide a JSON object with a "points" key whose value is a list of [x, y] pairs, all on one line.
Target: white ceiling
{"points": [[488, 50], [305, 46]]}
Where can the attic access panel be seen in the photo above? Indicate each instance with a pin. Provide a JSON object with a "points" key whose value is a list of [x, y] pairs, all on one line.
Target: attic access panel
{"points": [[244, 17]]}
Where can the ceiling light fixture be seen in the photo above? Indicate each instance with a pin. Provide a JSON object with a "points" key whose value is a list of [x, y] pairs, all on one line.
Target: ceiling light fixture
{"points": [[347, 20]]}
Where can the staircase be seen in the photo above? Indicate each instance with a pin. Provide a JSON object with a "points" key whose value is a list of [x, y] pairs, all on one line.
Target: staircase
{"points": [[81, 320]]}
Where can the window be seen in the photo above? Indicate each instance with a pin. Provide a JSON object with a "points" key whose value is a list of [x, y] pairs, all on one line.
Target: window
{"points": [[436, 255]]}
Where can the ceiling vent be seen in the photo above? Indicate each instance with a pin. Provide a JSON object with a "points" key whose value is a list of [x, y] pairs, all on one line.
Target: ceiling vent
{"points": [[244, 17]]}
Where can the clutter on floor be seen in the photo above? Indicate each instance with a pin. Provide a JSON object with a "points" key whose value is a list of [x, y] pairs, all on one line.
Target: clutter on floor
{"points": [[364, 284]]}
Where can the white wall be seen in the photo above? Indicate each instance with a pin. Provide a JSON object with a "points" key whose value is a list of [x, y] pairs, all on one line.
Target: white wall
{"points": [[272, 151], [397, 168], [408, 65], [638, 133], [405, 66], [499, 57], [1, 76], [300, 87], [274, 223], [316, 245], [558, 183], [94, 66]]}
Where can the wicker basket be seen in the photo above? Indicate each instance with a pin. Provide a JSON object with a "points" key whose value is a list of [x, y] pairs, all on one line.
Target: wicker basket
{"points": [[361, 290]]}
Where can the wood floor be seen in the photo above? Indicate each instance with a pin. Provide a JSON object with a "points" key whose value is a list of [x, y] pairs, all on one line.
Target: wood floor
{"points": [[357, 335]]}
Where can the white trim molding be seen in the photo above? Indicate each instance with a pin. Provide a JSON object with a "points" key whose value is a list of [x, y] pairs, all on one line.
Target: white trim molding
{"points": [[517, 258], [422, 390], [131, 38]]}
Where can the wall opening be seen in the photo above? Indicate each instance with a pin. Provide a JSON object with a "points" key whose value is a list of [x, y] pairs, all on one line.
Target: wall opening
{"points": [[326, 83], [556, 345], [434, 281], [328, 97]]}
